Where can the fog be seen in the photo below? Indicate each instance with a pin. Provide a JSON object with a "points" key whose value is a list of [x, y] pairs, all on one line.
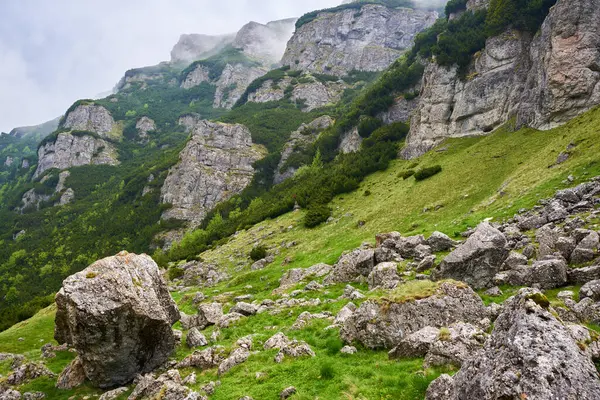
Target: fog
{"points": [[55, 52]]}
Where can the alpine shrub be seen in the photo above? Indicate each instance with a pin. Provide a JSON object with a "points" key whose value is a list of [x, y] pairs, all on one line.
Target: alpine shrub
{"points": [[428, 172]]}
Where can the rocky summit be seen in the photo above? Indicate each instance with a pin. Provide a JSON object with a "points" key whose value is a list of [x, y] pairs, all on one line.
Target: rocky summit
{"points": [[383, 199]]}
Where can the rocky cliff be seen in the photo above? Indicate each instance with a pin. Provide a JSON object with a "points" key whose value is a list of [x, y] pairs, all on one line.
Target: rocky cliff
{"points": [[367, 40], [69, 150], [214, 165], [84, 140], [542, 81], [311, 92], [91, 118]]}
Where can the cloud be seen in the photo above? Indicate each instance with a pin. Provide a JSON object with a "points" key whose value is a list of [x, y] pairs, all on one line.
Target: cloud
{"points": [[55, 52]]}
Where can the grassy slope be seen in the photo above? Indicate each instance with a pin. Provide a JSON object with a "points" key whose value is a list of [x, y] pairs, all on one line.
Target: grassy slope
{"points": [[475, 170]]}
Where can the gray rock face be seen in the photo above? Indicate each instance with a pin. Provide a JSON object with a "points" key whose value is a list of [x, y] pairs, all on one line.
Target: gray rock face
{"points": [[543, 81], [350, 142], [563, 80], [300, 139], [194, 47], [416, 344], [477, 260], [269, 91], [317, 94], [451, 107], [214, 165], [369, 40], [145, 125], [233, 83], [117, 314], [530, 353], [385, 325], [196, 77], [91, 118], [69, 151], [400, 111]]}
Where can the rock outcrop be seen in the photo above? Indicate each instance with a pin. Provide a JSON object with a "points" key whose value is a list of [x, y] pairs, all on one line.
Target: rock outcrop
{"points": [[117, 314], [74, 150], [530, 354], [214, 165], [384, 325], [369, 39], [300, 140], [90, 118], [233, 83], [542, 81]]}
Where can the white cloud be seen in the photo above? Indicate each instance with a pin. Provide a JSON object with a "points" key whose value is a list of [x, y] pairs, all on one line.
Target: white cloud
{"points": [[55, 52]]}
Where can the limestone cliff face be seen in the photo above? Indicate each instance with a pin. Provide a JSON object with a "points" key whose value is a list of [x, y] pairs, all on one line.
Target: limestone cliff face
{"points": [[542, 81], [91, 118], [233, 83], [69, 150], [195, 47], [368, 40], [313, 93], [299, 140], [452, 107], [214, 165], [564, 79]]}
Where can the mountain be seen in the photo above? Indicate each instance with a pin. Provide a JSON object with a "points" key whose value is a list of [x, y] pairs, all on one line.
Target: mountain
{"points": [[393, 204]]}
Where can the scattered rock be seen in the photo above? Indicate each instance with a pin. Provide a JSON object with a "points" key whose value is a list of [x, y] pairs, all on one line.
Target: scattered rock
{"points": [[351, 266], [72, 376], [384, 276], [237, 357], [348, 350], [416, 344], [294, 349], [287, 392], [195, 339], [113, 394], [477, 260], [27, 372]]}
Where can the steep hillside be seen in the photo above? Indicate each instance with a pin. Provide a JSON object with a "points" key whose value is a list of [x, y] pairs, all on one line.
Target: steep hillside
{"points": [[503, 179], [411, 202]]}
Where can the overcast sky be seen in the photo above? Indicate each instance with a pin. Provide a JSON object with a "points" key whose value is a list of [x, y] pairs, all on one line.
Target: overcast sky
{"points": [[53, 52]]}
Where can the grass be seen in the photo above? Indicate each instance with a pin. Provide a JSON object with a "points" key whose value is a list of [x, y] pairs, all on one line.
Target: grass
{"points": [[492, 176], [483, 177]]}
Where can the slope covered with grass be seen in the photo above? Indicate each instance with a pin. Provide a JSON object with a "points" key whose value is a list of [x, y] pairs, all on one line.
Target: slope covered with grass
{"points": [[482, 177]]}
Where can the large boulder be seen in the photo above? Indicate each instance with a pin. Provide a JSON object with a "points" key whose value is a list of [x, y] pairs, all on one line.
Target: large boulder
{"points": [[383, 324], [530, 355], [117, 314], [477, 260]]}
